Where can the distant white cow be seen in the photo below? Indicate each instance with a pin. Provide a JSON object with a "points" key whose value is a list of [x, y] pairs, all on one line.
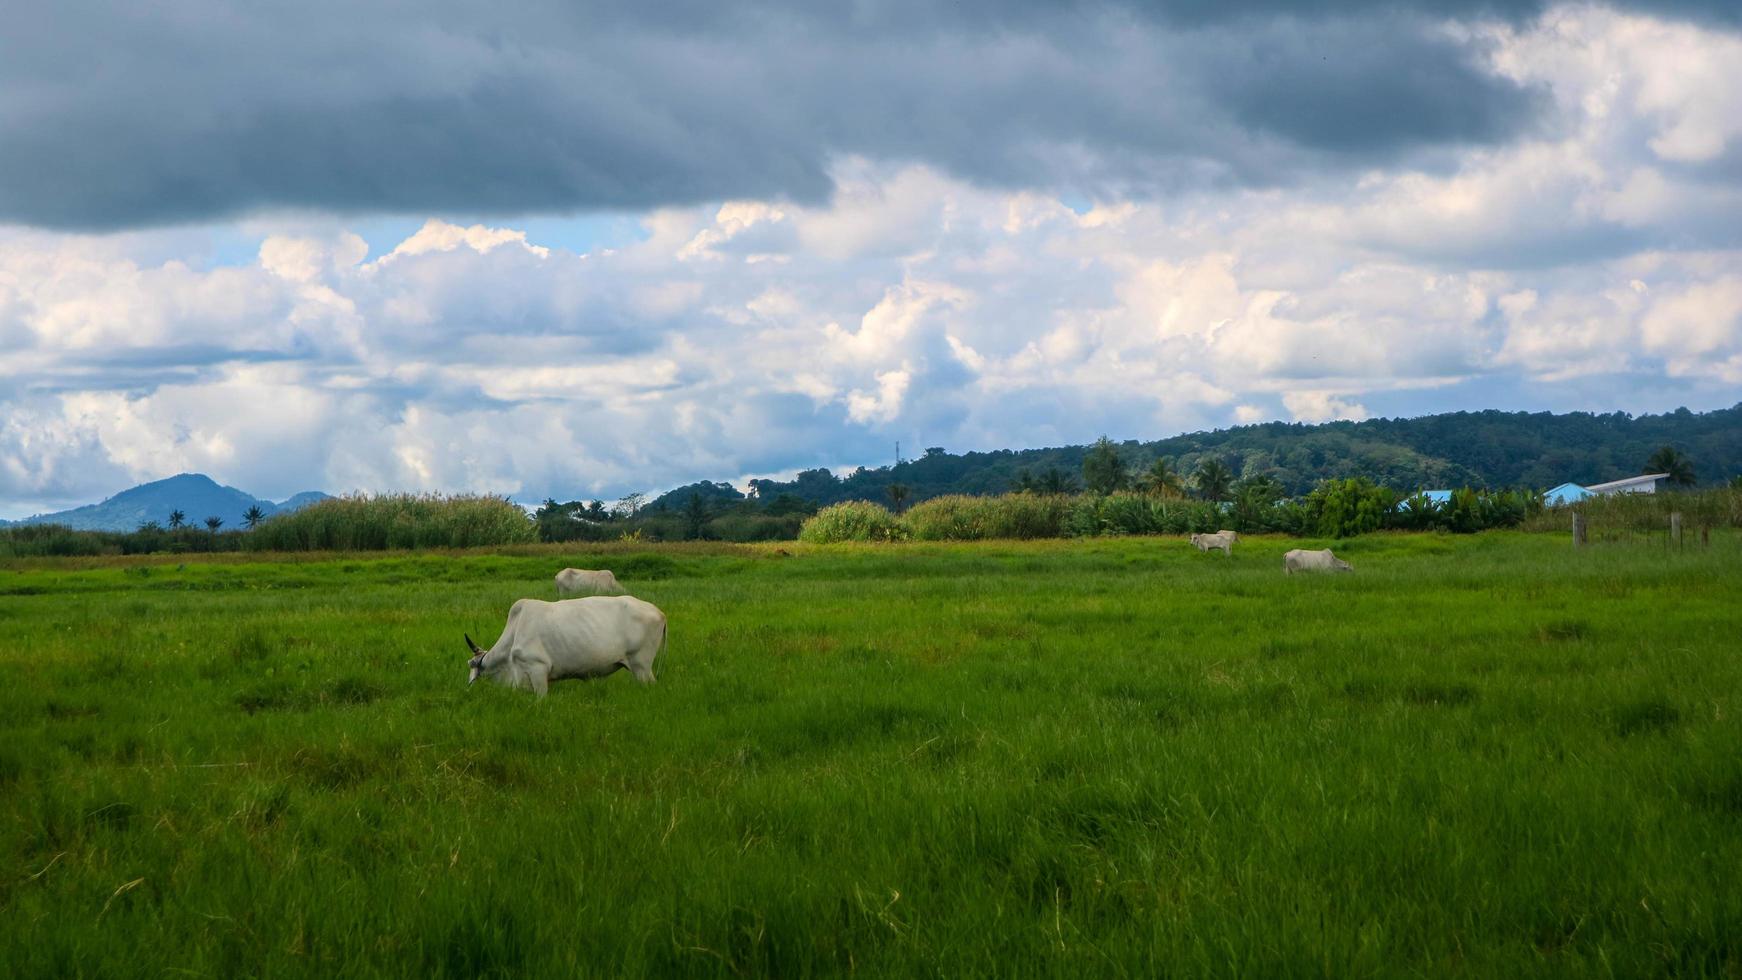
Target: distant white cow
{"points": [[1221, 539], [1301, 560], [1231, 535], [581, 638], [572, 580]]}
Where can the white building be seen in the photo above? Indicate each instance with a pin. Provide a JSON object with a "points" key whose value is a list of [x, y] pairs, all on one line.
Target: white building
{"points": [[1633, 484]]}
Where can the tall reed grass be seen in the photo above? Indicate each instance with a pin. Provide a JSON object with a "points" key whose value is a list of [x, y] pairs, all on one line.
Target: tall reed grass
{"points": [[1645, 512], [390, 521]]}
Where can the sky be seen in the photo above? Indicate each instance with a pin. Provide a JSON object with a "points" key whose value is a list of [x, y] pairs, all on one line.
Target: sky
{"points": [[581, 250]]}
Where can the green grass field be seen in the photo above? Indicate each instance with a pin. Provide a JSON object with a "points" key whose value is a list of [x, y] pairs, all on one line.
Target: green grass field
{"points": [[1484, 756]]}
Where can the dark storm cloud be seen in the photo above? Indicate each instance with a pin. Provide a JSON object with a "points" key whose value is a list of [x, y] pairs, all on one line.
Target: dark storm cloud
{"points": [[125, 114], [1315, 84]]}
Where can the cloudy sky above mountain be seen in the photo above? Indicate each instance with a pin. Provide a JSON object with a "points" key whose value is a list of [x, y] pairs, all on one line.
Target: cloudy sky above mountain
{"points": [[581, 252]]}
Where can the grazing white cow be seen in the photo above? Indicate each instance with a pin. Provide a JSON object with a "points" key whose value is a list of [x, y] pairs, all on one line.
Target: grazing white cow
{"points": [[1221, 539], [572, 580], [1301, 560], [588, 637]]}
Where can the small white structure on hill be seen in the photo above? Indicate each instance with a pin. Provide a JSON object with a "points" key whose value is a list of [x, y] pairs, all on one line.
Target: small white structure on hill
{"points": [[1633, 484]]}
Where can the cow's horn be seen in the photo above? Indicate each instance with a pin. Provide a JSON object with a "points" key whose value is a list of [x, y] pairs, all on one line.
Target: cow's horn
{"points": [[474, 646]]}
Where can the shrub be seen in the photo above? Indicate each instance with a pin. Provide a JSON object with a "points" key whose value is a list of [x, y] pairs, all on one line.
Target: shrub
{"points": [[854, 520], [1013, 515], [394, 521]]}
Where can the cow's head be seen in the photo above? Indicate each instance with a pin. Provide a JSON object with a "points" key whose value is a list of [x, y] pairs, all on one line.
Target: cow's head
{"points": [[1338, 564], [477, 661]]}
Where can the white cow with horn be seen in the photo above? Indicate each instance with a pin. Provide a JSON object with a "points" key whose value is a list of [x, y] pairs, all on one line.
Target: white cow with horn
{"points": [[579, 638]]}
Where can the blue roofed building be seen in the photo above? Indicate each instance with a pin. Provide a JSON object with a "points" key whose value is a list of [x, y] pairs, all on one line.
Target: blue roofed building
{"points": [[1566, 493]]}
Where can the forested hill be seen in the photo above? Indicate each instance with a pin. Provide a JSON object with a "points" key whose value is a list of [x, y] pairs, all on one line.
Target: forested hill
{"points": [[1481, 449]]}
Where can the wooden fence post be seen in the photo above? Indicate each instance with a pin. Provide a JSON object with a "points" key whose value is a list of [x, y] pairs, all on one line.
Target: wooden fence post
{"points": [[1675, 527], [1578, 529]]}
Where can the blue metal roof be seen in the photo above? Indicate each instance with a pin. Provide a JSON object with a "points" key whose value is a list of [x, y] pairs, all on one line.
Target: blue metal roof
{"points": [[1566, 493]]}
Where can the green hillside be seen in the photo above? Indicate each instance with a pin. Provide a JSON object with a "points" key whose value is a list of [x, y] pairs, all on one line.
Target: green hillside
{"points": [[1480, 449]]}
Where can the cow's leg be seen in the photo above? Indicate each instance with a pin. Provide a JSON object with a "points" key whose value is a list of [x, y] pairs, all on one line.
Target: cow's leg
{"points": [[642, 670], [539, 679]]}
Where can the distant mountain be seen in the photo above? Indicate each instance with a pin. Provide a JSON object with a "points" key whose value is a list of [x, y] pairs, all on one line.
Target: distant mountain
{"points": [[300, 501], [196, 495]]}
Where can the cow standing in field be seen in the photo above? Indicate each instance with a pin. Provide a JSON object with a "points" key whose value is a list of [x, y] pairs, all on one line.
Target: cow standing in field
{"points": [[570, 581], [1221, 539], [1301, 560], [578, 638]]}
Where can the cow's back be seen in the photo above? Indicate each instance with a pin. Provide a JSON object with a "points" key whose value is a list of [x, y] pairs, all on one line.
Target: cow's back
{"points": [[588, 636], [1301, 559], [583, 580]]}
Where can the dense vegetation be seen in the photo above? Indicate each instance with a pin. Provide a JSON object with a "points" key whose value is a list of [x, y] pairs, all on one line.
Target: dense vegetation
{"points": [[38, 540], [1478, 755], [1337, 509], [1647, 513], [1129, 490]]}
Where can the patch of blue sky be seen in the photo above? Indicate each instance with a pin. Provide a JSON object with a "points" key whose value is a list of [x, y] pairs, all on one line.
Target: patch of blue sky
{"points": [[239, 244], [1077, 202]]}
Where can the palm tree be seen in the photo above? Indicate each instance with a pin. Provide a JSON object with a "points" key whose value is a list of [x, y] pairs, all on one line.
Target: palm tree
{"points": [[1669, 459], [897, 494], [1213, 478], [177, 519], [253, 517], [149, 527], [1161, 478], [213, 523]]}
